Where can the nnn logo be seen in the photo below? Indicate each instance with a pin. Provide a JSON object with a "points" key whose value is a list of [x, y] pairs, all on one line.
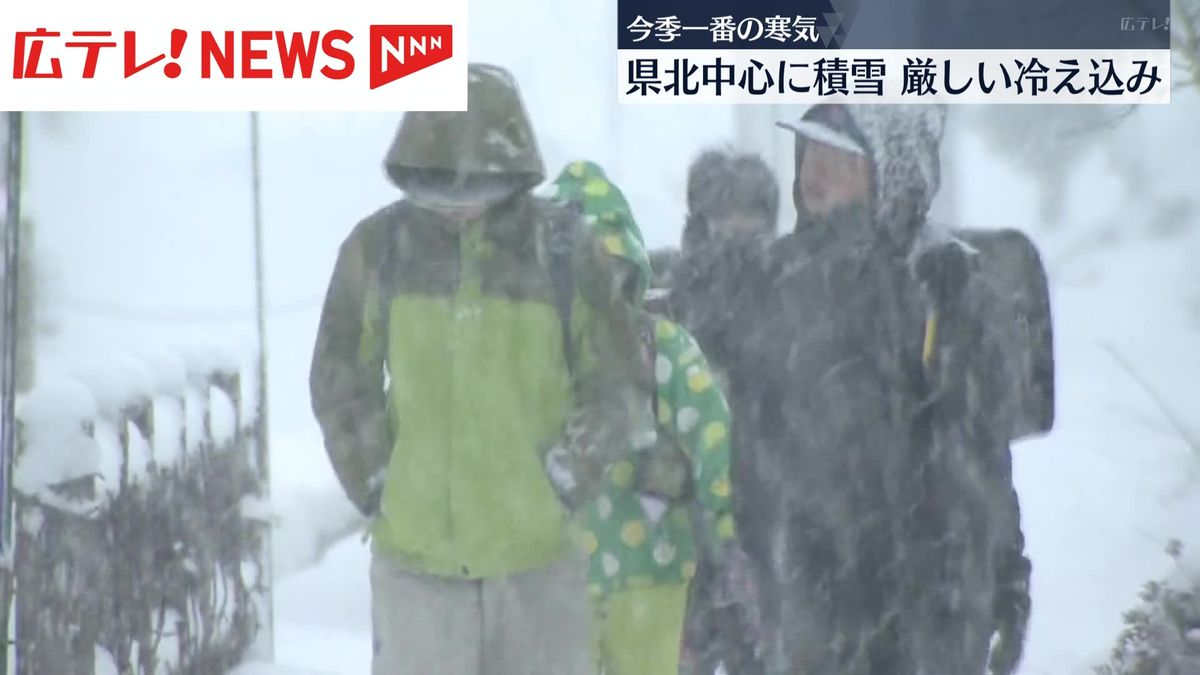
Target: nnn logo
{"points": [[397, 51]]}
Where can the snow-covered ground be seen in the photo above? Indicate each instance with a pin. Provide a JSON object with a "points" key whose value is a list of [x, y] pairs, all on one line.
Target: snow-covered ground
{"points": [[323, 617]]}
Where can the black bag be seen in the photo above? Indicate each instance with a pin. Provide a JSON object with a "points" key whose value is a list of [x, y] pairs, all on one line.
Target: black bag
{"points": [[1018, 316]]}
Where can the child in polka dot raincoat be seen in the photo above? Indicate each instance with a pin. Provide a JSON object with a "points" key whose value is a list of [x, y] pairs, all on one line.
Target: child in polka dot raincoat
{"points": [[638, 533]]}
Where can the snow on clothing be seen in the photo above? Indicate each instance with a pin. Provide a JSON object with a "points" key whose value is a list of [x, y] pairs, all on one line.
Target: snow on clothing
{"points": [[1004, 316], [967, 576], [991, 367], [884, 520], [462, 312], [452, 297], [628, 547], [723, 188], [852, 421], [722, 184], [642, 550]]}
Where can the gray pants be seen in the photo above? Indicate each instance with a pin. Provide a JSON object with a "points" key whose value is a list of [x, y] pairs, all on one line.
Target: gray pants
{"points": [[532, 623]]}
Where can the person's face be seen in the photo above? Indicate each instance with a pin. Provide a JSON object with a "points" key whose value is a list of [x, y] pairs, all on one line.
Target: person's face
{"points": [[458, 197], [830, 179], [738, 224]]}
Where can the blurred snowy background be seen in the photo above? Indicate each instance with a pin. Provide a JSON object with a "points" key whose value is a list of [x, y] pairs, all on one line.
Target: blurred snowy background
{"points": [[143, 233]]}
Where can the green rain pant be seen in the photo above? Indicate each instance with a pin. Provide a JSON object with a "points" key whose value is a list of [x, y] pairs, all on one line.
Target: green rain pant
{"points": [[640, 630]]}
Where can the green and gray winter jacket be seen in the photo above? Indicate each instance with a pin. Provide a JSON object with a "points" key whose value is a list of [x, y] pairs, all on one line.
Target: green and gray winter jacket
{"points": [[627, 546], [439, 375]]}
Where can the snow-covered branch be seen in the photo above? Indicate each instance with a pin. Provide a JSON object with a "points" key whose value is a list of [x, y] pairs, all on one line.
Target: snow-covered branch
{"points": [[1162, 634]]}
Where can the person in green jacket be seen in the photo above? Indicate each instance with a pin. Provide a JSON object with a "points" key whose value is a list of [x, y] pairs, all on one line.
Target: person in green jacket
{"points": [[639, 534], [467, 402]]}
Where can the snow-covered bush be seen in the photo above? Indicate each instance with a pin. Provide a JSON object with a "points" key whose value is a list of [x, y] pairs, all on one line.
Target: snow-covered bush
{"points": [[134, 545], [1162, 634]]}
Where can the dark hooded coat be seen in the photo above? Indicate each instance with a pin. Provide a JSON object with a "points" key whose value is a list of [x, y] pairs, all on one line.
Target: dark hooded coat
{"points": [[884, 521]]}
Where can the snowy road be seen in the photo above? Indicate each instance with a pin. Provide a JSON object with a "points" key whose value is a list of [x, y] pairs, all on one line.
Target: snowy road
{"points": [[323, 617]]}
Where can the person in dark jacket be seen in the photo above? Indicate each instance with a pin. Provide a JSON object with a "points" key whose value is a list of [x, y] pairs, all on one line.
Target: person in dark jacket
{"points": [[835, 389], [801, 456], [929, 551], [871, 418], [730, 195], [864, 279], [732, 199], [1008, 293]]}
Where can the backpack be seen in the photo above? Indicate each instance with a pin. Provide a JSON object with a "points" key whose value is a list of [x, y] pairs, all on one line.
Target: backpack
{"points": [[1003, 296]]}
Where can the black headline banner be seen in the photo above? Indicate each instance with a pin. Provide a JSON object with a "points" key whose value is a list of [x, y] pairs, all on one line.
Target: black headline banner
{"points": [[894, 24]]}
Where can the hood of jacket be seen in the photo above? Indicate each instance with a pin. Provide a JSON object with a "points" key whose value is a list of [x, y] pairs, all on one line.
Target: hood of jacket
{"points": [[902, 143], [607, 213], [492, 141]]}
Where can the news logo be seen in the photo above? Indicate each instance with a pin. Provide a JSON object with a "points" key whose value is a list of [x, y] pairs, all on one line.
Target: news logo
{"points": [[69, 55], [397, 51]]}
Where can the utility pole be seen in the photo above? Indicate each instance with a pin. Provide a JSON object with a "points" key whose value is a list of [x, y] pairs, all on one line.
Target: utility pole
{"points": [[262, 447], [11, 131]]}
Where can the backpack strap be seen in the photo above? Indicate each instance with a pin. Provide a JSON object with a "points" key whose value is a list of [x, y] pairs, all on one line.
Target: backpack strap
{"points": [[385, 270], [648, 342], [929, 344], [559, 230], [943, 270]]}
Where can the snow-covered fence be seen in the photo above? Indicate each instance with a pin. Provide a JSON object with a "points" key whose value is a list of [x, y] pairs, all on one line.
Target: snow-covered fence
{"points": [[141, 546]]}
